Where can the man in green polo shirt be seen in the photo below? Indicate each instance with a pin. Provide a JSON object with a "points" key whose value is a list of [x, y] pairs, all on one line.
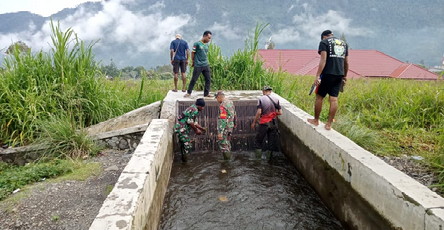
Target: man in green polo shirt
{"points": [[199, 60]]}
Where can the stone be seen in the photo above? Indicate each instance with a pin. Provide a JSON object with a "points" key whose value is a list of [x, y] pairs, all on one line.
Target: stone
{"points": [[123, 144], [112, 168]]}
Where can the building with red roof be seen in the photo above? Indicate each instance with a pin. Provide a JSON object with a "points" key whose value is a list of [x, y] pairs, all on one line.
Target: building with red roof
{"points": [[362, 63]]}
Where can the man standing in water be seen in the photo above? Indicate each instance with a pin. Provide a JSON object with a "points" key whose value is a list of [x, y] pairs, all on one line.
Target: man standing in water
{"points": [[199, 60], [268, 108], [179, 52], [186, 121], [333, 67], [226, 122]]}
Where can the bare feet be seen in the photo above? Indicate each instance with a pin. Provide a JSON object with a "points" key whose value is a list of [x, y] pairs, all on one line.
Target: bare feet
{"points": [[328, 126], [183, 90], [186, 95], [313, 122]]}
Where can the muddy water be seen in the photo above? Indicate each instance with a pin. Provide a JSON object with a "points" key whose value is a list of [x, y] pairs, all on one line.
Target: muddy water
{"points": [[207, 193]]}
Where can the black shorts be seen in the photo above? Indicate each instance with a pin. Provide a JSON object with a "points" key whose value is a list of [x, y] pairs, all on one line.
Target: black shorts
{"points": [[330, 84], [179, 63]]}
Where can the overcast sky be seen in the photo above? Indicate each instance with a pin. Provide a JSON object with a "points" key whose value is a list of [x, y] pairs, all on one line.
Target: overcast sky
{"points": [[42, 7]]}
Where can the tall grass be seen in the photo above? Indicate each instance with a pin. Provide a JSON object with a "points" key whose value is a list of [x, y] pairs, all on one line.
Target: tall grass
{"points": [[64, 83], [243, 70], [390, 108]]}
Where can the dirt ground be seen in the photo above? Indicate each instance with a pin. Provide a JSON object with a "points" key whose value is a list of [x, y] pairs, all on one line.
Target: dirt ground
{"points": [[73, 205], [70, 205]]}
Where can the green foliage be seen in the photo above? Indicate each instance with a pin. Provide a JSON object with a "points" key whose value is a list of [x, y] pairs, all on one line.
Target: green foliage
{"points": [[14, 177], [64, 82], [18, 47], [62, 138], [111, 70], [243, 70]]}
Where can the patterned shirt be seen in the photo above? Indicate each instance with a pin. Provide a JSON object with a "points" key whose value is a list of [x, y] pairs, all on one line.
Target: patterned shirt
{"points": [[227, 117], [184, 120]]}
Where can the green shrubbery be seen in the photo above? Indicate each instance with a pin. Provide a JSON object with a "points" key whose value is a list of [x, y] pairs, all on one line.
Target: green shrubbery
{"points": [[14, 177]]}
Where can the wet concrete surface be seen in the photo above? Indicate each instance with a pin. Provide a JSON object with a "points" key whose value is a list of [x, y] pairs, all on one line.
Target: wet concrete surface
{"points": [[208, 193]]}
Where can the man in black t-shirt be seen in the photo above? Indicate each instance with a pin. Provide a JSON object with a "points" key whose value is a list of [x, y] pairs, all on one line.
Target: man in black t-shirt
{"points": [[332, 69]]}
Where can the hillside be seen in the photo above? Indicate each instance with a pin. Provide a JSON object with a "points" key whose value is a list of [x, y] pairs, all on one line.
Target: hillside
{"points": [[138, 32]]}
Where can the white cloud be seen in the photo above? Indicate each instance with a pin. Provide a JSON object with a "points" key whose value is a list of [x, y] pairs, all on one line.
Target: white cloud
{"points": [[308, 25], [157, 6], [227, 31], [115, 24]]}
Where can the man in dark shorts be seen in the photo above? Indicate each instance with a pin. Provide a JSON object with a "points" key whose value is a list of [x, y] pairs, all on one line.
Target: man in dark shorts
{"points": [[268, 108], [179, 52], [199, 60], [333, 68]]}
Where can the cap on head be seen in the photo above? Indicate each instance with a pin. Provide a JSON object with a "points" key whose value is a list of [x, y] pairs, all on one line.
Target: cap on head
{"points": [[200, 102], [267, 88], [219, 93], [326, 33], [179, 36]]}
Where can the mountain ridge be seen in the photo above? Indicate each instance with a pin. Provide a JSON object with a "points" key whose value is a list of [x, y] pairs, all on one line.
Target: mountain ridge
{"points": [[138, 32]]}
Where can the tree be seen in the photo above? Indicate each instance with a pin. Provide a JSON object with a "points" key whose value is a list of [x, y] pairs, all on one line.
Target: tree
{"points": [[269, 45], [345, 40], [20, 46], [111, 69]]}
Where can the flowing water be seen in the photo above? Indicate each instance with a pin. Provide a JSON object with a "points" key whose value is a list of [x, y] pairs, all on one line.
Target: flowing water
{"points": [[208, 193]]}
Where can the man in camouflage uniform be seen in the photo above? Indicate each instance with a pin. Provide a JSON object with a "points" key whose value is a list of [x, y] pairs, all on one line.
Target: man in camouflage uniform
{"points": [[185, 122], [225, 124]]}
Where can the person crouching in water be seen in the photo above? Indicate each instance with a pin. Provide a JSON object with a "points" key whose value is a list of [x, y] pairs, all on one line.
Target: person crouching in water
{"points": [[226, 122], [268, 108], [186, 121]]}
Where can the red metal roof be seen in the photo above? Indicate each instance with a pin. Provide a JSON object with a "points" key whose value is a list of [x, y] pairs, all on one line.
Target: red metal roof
{"points": [[362, 63]]}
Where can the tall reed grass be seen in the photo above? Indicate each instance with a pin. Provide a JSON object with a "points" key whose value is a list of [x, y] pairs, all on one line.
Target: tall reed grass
{"points": [[64, 83]]}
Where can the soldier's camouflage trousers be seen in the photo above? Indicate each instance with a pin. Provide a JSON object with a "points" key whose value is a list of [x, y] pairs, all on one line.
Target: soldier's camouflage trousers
{"points": [[185, 144], [225, 143]]}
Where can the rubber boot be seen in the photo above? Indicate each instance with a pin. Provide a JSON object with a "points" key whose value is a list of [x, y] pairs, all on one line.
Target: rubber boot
{"points": [[257, 154], [184, 157], [269, 155], [227, 156]]}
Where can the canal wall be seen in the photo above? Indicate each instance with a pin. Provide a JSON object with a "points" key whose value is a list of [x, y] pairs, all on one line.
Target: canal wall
{"points": [[136, 199], [362, 190]]}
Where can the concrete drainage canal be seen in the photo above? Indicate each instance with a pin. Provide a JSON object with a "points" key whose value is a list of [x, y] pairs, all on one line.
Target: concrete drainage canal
{"points": [[321, 180]]}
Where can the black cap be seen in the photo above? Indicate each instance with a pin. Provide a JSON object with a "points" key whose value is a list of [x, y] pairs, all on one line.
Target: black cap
{"points": [[325, 33], [200, 102]]}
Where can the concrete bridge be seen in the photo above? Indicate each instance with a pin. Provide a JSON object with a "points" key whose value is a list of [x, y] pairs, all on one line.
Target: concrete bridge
{"points": [[359, 188]]}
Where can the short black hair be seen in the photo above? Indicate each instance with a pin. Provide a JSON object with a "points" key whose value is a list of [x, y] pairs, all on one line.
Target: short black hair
{"points": [[325, 33], [207, 32], [200, 102]]}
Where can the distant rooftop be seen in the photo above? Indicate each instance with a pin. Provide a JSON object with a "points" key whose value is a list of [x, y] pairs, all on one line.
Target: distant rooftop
{"points": [[362, 63]]}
